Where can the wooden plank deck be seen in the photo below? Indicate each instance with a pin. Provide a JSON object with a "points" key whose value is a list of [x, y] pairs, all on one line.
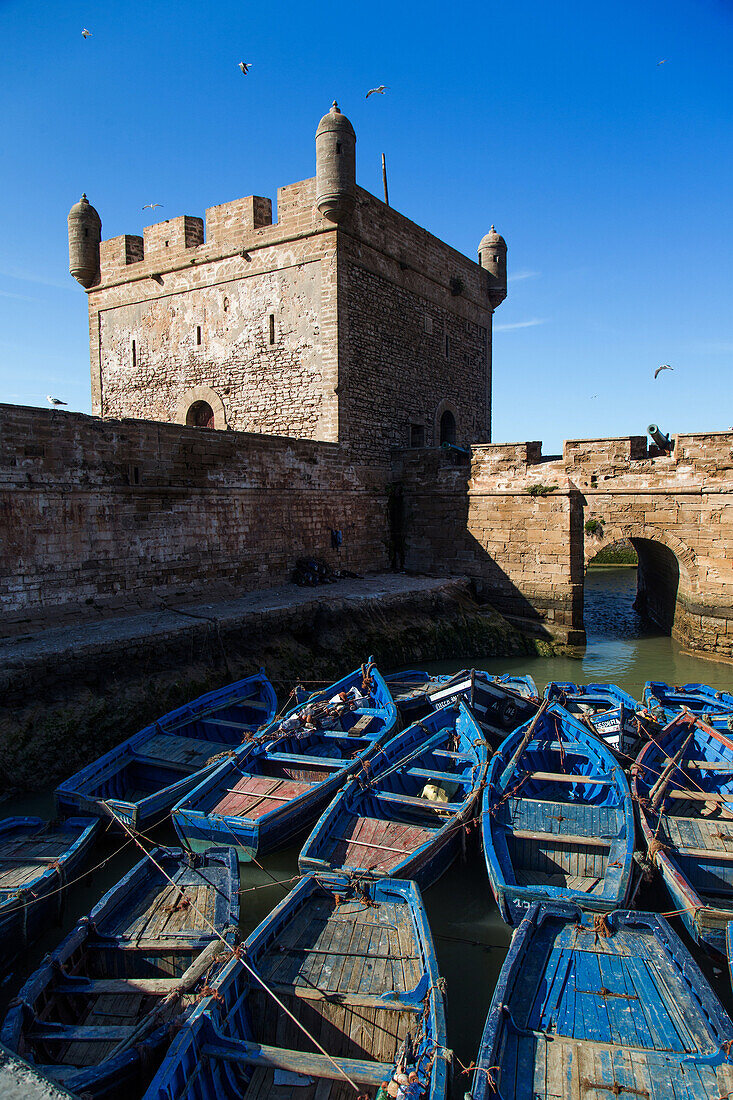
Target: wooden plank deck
{"points": [[190, 753], [375, 843], [24, 856], [163, 912], [255, 795]]}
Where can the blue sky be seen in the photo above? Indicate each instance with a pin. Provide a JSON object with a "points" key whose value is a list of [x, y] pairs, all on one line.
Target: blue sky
{"points": [[608, 174]]}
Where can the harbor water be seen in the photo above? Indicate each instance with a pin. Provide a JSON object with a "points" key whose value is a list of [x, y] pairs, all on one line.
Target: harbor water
{"points": [[470, 938]]}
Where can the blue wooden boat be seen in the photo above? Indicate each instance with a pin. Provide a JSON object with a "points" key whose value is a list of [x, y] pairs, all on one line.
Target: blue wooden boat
{"points": [[96, 1015], [683, 783], [409, 688], [601, 1008], [354, 963], [406, 815], [37, 860], [558, 821], [715, 707], [259, 801], [143, 777], [500, 703], [609, 709]]}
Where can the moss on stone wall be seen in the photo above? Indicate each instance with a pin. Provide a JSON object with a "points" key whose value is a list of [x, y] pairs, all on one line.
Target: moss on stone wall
{"points": [[76, 716]]}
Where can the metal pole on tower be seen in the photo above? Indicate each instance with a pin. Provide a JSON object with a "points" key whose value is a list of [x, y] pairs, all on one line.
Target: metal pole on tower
{"points": [[384, 179]]}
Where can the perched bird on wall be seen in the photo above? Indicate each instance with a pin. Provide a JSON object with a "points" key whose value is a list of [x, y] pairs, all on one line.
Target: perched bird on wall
{"points": [[376, 91], [86, 34], [664, 366], [55, 400], [152, 205], [245, 66]]}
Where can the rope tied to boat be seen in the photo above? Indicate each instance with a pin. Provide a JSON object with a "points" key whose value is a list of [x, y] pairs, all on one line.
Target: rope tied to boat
{"points": [[601, 927], [219, 756], [654, 847], [473, 1068], [240, 958]]}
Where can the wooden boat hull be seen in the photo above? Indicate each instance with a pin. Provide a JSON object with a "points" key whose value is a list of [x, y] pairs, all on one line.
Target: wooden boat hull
{"points": [[37, 859], [716, 707], [587, 1010], [381, 824], [355, 964], [409, 689], [609, 709], [263, 799], [500, 703], [140, 780], [560, 827], [692, 852], [117, 963]]}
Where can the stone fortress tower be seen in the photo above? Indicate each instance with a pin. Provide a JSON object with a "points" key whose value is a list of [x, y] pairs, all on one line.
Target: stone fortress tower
{"points": [[343, 321]]}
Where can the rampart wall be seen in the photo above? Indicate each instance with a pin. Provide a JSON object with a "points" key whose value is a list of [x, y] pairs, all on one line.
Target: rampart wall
{"points": [[516, 521], [104, 514]]}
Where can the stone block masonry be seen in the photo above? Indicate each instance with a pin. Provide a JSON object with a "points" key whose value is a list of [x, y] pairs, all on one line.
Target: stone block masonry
{"points": [[104, 515], [516, 522]]}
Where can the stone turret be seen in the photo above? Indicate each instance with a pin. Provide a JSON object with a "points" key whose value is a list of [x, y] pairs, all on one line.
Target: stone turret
{"points": [[492, 257], [335, 165], [85, 234]]}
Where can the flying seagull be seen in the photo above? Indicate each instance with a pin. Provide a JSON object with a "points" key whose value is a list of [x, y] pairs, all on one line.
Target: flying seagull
{"points": [[86, 34], [379, 91], [662, 62], [664, 366], [245, 66], [55, 400], [152, 205]]}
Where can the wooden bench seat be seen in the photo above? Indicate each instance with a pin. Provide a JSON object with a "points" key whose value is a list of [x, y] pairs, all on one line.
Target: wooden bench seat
{"points": [[568, 777], [147, 986], [564, 838], [416, 800], [297, 1061], [71, 1033], [308, 761]]}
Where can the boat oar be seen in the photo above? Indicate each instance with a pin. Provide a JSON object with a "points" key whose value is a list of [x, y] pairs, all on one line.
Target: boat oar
{"points": [[506, 774], [656, 794], [184, 984]]}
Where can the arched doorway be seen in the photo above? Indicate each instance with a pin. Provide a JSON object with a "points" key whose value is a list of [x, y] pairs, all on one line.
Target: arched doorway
{"points": [[200, 415], [447, 428], [657, 583]]}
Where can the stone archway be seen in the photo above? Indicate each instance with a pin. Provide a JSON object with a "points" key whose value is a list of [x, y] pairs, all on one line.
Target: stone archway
{"points": [[446, 424], [667, 573], [190, 404]]}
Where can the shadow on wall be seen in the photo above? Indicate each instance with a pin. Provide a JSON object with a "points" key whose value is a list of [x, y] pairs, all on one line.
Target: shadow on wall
{"points": [[430, 532]]}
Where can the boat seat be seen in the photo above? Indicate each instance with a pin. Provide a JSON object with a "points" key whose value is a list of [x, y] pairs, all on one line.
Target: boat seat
{"points": [[96, 986], [71, 1033], [564, 838], [448, 777], [569, 777], [415, 800], [297, 1061], [291, 758], [457, 756]]}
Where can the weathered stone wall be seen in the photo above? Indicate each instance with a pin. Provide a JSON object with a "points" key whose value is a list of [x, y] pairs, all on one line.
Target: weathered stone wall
{"points": [[245, 319], [348, 333], [516, 521], [118, 514], [415, 334], [487, 520]]}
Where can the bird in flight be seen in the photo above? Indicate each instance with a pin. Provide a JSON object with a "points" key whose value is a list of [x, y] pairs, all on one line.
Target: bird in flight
{"points": [[664, 366], [376, 91], [245, 66], [152, 205], [86, 34], [593, 396], [55, 400], [662, 62]]}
